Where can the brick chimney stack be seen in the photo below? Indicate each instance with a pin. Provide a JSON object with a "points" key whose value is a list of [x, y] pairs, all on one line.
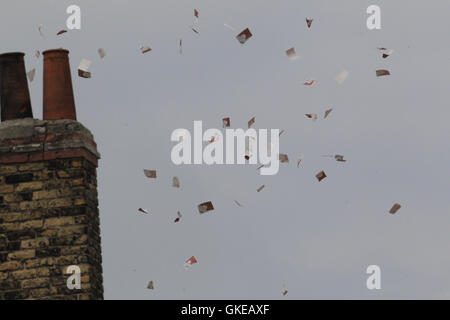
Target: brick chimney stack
{"points": [[49, 217]]}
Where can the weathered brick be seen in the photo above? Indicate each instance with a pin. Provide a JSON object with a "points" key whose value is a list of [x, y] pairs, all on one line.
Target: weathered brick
{"points": [[30, 273], [60, 202], [33, 166], [21, 255], [63, 221], [45, 194], [34, 243], [36, 283], [17, 178], [6, 188], [10, 265], [8, 169], [29, 186]]}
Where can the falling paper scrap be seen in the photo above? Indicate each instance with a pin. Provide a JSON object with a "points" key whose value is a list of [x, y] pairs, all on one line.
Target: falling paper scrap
{"points": [[341, 76], [327, 112], [178, 218], [101, 53], [205, 207], [142, 210], [226, 122], [195, 30], [309, 83], [244, 36], [189, 262], [309, 22], [299, 161], [145, 49], [83, 69], [382, 72], [229, 27], [312, 116], [251, 122], [30, 74], [292, 55], [395, 208], [260, 188], [283, 158], [196, 13], [150, 173], [40, 30], [150, 285], [388, 52], [181, 46], [61, 32], [339, 158], [175, 182], [240, 205], [284, 290], [321, 175], [281, 132], [37, 54]]}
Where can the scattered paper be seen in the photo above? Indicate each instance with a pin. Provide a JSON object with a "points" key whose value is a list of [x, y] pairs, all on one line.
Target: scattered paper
{"points": [[196, 13], [281, 132], [145, 49], [40, 30], [387, 52], [309, 22], [178, 217], [312, 116], [229, 27], [292, 55], [341, 76], [195, 30], [339, 158], [175, 182], [83, 69], [101, 53], [240, 205], [298, 162], [189, 262], [327, 112], [150, 285], [260, 188], [251, 122], [150, 173], [395, 208], [226, 122], [142, 210], [309, 83], [61, 32], [321, 175], [283, 158], [37, 54], [30, 74], [284, 290], [382, 72], [244, 36], [181, 46], [205, 207]]}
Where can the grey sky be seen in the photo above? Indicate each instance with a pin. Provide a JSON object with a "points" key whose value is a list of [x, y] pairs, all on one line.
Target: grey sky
{"points": [[317, 238]]}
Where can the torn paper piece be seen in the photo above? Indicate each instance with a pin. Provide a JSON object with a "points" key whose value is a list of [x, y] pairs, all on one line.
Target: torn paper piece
{"points": [[292, 55], [382, 72], [150, 173], [61, 32], [321, 175], [40, 30], [142, 210], [308, 83], [260, 188], [181, 46], [327, 112], [150, 285], [83, 69], [178, 217], [281, 132], [240, 205], [251, 122], [226, 122], [205, 207], [145, 49], [298, 162], [196, 13], [395, 208], [189, 262], [244, 36], [387, 52], [195, 30], [229, 27], [175, 182], [312, 116], [309, 22], [250, 148], [283, 158], [341, 77], [37, 54], [339, 158], [30, 74], [101, 53], [284, 290]]}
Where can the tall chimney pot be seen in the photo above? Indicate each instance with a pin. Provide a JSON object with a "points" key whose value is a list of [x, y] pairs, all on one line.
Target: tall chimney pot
{"points": [[15, 100], [58, 97]]}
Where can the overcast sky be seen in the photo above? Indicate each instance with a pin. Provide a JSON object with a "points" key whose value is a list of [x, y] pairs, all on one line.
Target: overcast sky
{"points": [[317, 238]]}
